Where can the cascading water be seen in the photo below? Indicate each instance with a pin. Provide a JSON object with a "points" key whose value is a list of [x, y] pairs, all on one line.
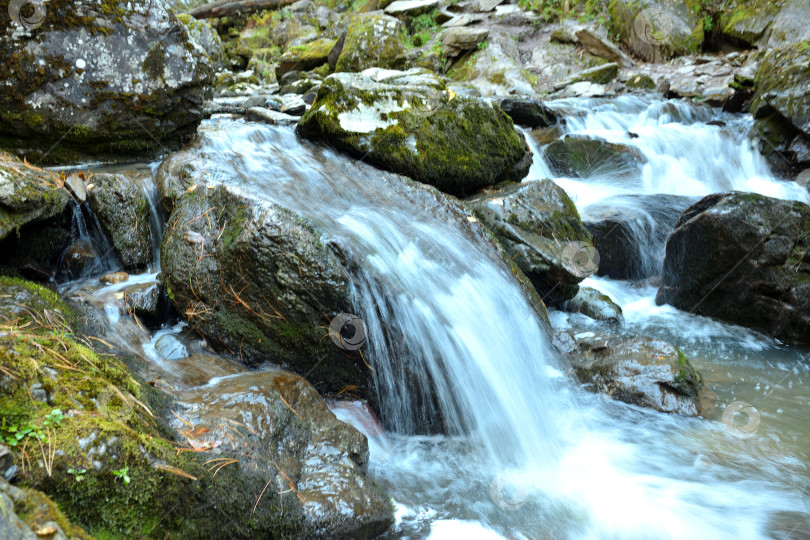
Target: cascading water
{"points": [[529, 455]]}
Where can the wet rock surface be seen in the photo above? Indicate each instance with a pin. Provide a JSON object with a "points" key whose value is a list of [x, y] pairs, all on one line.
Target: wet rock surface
{"points": [[741, 258], [641, 371], [257, 280], [121, 205], [539, 227], [286, 428]]}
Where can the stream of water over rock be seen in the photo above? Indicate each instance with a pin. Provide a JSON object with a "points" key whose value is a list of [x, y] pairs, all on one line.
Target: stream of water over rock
{"points": [[530, 454]]}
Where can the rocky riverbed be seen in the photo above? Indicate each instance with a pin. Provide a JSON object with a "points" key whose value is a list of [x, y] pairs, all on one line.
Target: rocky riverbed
{"points": [[421, 268]]}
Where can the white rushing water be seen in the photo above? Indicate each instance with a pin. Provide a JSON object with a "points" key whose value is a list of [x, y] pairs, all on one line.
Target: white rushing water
{"points": [[529, 454]]}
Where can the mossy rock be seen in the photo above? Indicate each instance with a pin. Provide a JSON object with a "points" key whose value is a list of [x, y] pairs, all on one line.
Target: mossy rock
{"points": [[407, 122], [113, 108], [117, 469], [289, 284], [540, 229], [372, 40], [657, 30], [27, 194], [599, 75], [782, 85], [640, 81], [305, 57], [204, 35]]}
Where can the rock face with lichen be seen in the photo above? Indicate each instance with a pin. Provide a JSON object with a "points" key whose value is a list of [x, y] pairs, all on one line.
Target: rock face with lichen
{"points": [[742, 258], [409, 123], [27, 194], [101, 79]]}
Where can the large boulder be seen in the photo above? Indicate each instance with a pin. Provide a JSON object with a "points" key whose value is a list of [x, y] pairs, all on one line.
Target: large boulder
{"points": [[582, 156], [781, 104], [323, 460], [372, 40], [539, 227], [257, 280], [117, 468], [640, 371], [102, 80], [657, 30], [27, 195], [409, 123], [764, 23], [121, 205], [631, 231], [741, 258]]}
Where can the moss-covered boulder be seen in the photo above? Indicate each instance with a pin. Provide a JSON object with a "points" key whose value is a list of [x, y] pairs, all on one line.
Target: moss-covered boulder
{"points": [[657, 30], [28, 514], [305, 57], [764, 23], [27, 194], [742, 258], [204, 35], [101, 79], [641, 371], [372, 40], [409, 123], [256, 279], [539, 227], [121, 205], [781, 105], [90, 435], [581, 156]]}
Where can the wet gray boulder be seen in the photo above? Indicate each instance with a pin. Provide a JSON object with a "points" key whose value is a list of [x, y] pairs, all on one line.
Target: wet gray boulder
{"points": [[781, 105], [409, 123], [529, 112], [579, 156], [256, 280], [766, 24], [290, 429], [657, 30], [539, 227], [100, 80], [637, 370], [741, 258], [122, 208], [27, 195], [594, 304]]}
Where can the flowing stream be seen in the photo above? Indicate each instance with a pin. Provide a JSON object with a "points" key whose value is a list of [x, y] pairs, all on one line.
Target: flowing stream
{"points": [[529, 454]]}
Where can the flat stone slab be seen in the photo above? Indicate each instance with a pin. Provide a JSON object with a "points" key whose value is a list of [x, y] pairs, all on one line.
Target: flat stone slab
{"points": [[411, 7]]}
